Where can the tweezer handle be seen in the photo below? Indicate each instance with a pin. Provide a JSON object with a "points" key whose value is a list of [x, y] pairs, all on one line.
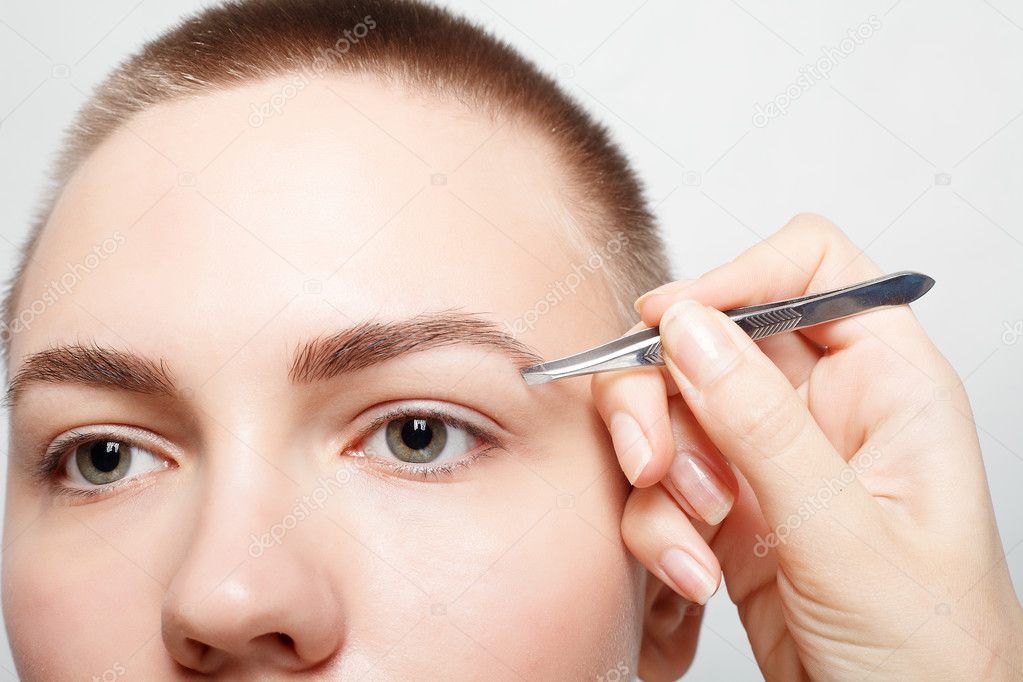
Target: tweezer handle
{"points": [[759, 321], [768, 319]]}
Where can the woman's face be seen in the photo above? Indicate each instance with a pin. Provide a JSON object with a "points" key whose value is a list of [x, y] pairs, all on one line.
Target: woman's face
{"points": [[236, 502]]}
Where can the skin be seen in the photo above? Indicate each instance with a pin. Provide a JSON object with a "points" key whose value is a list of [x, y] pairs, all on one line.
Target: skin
{"points": [[860, 540], [480, 572]]}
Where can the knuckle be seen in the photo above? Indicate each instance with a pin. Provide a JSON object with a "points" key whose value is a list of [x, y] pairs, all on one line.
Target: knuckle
{"points": [[818, 226], [813, 222], [620, 388], [601, 386], [769, 423], [608, 388]]}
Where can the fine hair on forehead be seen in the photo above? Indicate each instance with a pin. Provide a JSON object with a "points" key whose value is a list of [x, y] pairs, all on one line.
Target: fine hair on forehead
{"points": [[416, 45]]}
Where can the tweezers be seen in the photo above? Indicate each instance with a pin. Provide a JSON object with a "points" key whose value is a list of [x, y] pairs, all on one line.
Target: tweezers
{"points": [[643, 348]]}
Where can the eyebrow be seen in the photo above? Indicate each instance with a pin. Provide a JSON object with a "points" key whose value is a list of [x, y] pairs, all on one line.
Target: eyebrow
{"points": [[363, 345], [91, 365], [373, 342]]}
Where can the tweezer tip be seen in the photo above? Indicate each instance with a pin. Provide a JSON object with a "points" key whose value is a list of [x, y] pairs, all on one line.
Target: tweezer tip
{"points": [[535, 375]]}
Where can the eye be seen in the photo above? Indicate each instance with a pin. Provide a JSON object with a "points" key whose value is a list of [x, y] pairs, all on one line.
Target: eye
{"points": [[418, 440], [101, 462], [95, 460], [425, 441]]}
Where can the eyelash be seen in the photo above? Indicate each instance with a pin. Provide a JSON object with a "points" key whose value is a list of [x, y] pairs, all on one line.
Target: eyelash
{"points": [[56, 456], [57, 453], [490, 441]]}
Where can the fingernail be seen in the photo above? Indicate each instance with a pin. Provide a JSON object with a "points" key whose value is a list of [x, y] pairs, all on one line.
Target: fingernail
{"points": [[697, 483], [631, 445], [695, 342], [687, 575], [663, 290]]}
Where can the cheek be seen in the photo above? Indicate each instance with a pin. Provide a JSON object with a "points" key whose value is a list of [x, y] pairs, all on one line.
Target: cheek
{"points": [[550, 595], [567, 591], [74, 609], [561, 601], [522, 568]]}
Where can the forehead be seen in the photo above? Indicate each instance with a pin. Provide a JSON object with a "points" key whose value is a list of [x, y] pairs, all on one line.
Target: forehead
{"points": [[291, 206]]}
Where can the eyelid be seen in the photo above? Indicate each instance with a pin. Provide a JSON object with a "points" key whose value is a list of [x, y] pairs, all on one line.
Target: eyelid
{"points": [[427, 406], [53, 460], [405, 409]]}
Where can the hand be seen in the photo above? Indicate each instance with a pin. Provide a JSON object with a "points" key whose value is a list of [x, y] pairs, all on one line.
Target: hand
{"points": [[833, 476]]}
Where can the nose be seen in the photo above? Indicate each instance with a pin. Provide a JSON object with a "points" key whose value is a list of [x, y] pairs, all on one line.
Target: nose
{"points": [[228, 607], [256, 618]]}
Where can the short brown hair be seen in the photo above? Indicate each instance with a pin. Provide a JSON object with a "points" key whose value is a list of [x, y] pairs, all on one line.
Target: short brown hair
{"points": [[411, 42]]}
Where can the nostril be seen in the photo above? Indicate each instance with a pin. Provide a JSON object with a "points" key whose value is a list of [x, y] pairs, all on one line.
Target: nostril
{"points": [[286, 640], [198, 647], [197, 657]]}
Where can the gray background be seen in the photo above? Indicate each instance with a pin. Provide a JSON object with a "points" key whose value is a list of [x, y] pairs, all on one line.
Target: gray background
{"points": [[912, 145]]}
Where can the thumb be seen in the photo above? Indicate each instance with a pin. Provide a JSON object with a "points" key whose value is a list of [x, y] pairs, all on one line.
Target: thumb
{"points": [[758, 421]]}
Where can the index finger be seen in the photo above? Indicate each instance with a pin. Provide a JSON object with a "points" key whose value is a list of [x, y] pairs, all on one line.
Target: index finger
{"points": [[809, 255]]}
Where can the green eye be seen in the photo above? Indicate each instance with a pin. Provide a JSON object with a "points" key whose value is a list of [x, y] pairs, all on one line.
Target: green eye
{"points": [[416, 440]]}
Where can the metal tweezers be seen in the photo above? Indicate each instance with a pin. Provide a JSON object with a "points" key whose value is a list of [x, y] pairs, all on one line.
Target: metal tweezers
{"points": [[643, 348]]}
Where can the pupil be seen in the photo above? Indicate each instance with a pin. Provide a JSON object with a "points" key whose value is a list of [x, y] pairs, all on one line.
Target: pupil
{"points": [[416, 434], [105, 455]]}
